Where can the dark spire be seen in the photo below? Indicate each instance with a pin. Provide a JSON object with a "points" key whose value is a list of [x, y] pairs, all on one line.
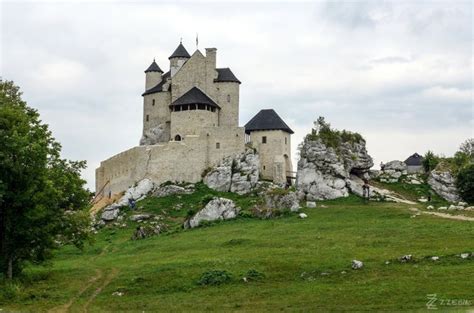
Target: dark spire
{"points": [[180, 52], [153, 68]]}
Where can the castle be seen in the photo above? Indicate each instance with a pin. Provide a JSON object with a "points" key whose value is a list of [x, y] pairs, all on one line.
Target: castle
{"points": [[190, 123]]}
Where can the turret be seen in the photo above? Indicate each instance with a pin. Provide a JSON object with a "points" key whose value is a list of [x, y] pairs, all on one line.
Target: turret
{"points": [[178, 58], [152, 75]]}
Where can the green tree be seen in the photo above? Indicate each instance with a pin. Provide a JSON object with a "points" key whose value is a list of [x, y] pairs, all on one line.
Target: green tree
{"points": [[42, 200], [465, 183], [430, 160]]}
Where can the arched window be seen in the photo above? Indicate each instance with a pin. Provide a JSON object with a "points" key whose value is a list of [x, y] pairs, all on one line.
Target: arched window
{"points": [[177, 138], [153, 102]]}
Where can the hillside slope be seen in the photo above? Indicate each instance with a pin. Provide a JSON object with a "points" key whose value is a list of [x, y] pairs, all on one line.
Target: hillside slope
{"points": [[306, 263]]}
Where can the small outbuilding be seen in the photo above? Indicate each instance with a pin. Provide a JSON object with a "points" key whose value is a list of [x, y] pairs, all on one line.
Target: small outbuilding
{"points": [[414, 163]]}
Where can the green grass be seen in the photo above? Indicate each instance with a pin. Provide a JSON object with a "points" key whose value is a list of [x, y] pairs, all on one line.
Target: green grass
{"points": [[161, 274]]}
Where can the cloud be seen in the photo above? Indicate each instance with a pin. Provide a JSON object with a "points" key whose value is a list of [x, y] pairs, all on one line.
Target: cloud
{"points": [[400, 73]]}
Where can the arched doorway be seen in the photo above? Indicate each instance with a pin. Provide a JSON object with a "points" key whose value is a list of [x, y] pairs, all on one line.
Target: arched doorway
{"points": [[177, 138]]}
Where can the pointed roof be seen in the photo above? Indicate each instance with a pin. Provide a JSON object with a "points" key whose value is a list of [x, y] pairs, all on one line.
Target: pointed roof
{"points": [[153, 68], [180, 52], [225, 75], [158, 87], [414, 160], [194, 96], [267, 120]]}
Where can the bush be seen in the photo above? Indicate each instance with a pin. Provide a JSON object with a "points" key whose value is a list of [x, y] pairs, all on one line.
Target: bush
{"points": [[254, 275], [332, 137], [465, 183], [430, 161], [214, 278]]}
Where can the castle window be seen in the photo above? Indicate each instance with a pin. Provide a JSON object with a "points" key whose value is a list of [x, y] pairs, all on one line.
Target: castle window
{"points": [[218, 145], [286, 140], [264, 139], [192, 107], [201, 106], [147, 117], [153, 102], [213, 109], [228, 98], [177, 138], [264, 167]]}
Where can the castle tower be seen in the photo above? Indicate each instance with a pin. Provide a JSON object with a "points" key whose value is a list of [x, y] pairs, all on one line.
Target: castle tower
{"points": [[178, 58], [152, 75], [271, 137]]}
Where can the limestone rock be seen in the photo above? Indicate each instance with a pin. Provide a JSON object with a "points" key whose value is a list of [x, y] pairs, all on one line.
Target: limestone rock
{"points": [[395, 165], [167, 190], [302, 215], [444, 184], [392, 171], [356, 265], [310, 204], [140, 217], [216, 209], [282, 201], [155, 135], [237, 174], [322, 171], [138, 192]]}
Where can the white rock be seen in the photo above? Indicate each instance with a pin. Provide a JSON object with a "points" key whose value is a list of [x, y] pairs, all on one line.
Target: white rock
{"points": [[395, 165], [435, 258], [462, 203], [357, 264], [310, 204], [423, 200], [415, 182], [302, 215], [444, 184], [110, 213], [442, 208], [430, 207], [140, 217], [406, 258], [464, 255], [216, 209]]}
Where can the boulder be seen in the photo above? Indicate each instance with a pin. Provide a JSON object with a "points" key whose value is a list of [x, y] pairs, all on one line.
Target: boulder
{"points": [[444, 184], [392, 171], [155, 135], [140, 217], [302, 215], [356, 265], [168, 190], [216, 209], [310, 204], [397, 166], [138, 192], [322, 171], [237, 174], [282, 200]]}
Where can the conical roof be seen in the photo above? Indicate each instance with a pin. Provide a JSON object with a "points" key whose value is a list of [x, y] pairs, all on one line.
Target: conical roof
{"points": [[180, 52], [267, 120], [153, 67]]}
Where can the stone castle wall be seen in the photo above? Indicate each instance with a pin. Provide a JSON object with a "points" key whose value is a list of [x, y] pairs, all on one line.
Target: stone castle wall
{"points": [[172, 161]]}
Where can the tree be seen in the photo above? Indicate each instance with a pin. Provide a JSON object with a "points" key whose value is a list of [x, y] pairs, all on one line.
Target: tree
{"points": [[430, 160], [465, 183], [467, 147], [42, 199]]}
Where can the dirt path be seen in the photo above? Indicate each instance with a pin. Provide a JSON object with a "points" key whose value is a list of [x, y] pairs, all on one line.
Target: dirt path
{"points": [[65, 307], [444, 215], [112, 274]]}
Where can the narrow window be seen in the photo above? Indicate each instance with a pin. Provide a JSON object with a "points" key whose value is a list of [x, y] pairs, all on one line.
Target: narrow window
{"points": [[218, 145], [147, 117], [228, 98], [264, 139], [264, 167], [286, 140], [153, 102], [177, 138]]}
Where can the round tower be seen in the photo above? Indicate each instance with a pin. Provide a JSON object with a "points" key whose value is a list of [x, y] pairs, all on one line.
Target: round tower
{"points": [[152, 75]]}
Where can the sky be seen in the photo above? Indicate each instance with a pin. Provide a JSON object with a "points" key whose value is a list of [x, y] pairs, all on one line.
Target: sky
{"points": [[398, 72]]}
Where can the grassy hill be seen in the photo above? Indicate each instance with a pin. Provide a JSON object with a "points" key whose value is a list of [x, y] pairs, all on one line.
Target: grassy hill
{"points": [[305, 263]]}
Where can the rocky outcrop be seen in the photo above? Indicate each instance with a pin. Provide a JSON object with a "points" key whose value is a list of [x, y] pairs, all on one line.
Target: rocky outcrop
{"points": [[168, 190], [138, 192], [155, 135], [323, 171], [392, 171], [284, 200], [216, 209], [235, 173], [444, 184]]}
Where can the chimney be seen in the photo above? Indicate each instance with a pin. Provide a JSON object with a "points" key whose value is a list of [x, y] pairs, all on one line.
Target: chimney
{"points": [[211, 57]]}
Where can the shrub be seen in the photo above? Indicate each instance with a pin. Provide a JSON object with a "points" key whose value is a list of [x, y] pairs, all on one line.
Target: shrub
{"points": [[332, 137], [206, 199], [430, 161], [254, 275], [214, 278], [465, 183]]}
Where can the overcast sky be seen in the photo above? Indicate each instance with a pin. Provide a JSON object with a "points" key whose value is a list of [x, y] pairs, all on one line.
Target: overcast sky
{"points": [[398, 72]]}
